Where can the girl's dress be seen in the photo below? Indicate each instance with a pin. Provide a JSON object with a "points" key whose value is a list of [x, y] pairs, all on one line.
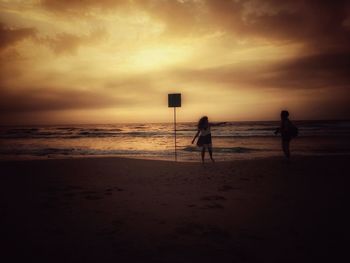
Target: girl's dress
{"points": [[204, 137], [285, 130]]}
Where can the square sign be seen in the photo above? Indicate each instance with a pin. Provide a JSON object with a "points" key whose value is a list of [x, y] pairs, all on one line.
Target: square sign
{"points": [[174, 100]]}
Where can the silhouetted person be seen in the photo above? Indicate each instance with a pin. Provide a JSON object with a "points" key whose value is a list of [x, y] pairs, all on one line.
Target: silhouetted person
{"points": [[204, 133], [287, 131]]}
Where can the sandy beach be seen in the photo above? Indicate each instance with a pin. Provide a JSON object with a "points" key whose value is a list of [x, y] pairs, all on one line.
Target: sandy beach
{"points": [[128, 210]]}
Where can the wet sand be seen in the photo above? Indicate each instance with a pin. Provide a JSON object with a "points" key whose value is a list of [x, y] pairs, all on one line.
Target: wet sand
{"points": [[124, 210]]}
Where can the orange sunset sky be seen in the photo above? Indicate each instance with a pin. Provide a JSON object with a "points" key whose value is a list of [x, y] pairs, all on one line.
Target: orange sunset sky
{"points": [[70, 61]]}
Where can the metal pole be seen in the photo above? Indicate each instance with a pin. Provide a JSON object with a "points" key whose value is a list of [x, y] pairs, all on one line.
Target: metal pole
{"points": [[175, 132]]}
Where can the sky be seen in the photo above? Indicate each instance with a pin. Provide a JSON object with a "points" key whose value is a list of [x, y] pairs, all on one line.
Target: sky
{"points": [[85, 61]]}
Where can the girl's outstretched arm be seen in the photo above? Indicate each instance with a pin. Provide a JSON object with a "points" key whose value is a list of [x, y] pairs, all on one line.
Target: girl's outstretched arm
{"points": [[195, 136], [218, 124]]}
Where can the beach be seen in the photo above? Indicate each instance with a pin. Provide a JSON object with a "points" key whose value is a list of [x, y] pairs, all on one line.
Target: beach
{"points": [[131, 210]]}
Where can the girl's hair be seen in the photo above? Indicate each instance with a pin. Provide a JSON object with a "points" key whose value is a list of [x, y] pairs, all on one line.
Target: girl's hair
{"points": [[284, 115], [202, 123]]}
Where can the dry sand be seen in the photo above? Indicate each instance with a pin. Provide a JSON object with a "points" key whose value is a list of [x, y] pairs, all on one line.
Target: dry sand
{"points": [[123, 210]]}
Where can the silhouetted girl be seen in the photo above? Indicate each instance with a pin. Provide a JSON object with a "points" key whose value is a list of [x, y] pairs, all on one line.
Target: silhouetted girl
{"points": [[287, 131], [204, 133]]}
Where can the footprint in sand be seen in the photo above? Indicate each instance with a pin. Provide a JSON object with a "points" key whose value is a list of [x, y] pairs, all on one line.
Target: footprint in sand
{"points": [[190, 229], [250, 236], [69, 194], [108, 191], [74, 187], [118, 189], [227, 187], [160, 221], [213, 204], [244, 179], [117, 223], [88, 192], [93, 197], [213, 198], [279, 197], [52, 198], [211, 232], [47, 205], [109, 232], [53, 189]]}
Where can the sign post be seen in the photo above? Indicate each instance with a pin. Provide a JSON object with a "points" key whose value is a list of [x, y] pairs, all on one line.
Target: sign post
{"points": [[174, 100]]}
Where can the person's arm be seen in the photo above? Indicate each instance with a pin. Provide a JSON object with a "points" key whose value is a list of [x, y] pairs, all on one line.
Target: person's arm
{"points": [[195, 136], [217, 124]]}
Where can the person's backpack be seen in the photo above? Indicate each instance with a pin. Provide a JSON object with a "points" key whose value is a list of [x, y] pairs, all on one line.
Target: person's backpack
{"points": [[293, 130]]}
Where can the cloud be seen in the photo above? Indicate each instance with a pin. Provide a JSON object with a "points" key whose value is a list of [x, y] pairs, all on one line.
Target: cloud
{"points": [[307, 72], [319, 25], [253, 46], [66, 43], [315, 23], [81, 7], [181, 18], [63, 43], [49, 99], [320, 70], [10, 36], [117, 93], [306, 21], [60, 43]]}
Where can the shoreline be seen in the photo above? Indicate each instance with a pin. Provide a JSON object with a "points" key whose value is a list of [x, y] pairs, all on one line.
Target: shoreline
{"points": [[217, 160]]}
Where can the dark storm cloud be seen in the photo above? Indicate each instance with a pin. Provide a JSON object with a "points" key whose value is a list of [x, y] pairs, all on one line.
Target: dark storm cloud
{"points": [[10, 36], [321, 70], [317, 24], [308, 72]]}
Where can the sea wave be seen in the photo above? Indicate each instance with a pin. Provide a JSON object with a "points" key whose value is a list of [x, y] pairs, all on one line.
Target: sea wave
{"points": [[81, 152], [228, 130]]}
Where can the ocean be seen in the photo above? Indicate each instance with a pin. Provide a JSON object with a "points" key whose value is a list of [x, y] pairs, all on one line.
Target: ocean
{"points": [[233, 140]]}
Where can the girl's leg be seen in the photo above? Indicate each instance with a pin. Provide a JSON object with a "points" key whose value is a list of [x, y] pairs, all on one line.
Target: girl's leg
{"points": [[285, 148], [203, 153], [210, 150]]}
